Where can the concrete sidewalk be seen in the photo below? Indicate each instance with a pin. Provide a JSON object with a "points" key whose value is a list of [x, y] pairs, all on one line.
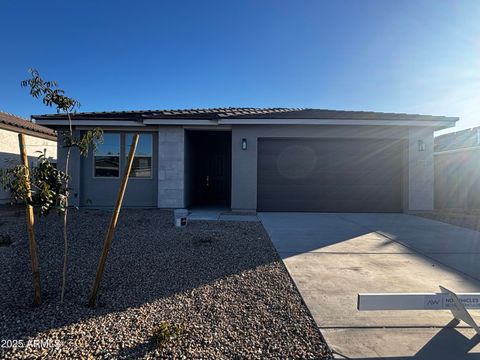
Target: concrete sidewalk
{"points": [[333, 257], [219, 214]]}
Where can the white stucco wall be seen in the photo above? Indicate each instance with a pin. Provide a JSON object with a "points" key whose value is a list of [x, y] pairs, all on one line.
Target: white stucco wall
{"points": [[420, 170], [9, 150]]}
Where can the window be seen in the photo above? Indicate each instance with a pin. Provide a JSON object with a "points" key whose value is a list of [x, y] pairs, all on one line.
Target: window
{"points": [[107, 157], [142, 162]]}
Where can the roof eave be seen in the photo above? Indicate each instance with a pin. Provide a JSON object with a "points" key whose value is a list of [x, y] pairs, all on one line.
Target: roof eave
{"points": [[438, 124], [30, 132], [58, 122], [441, 123]]}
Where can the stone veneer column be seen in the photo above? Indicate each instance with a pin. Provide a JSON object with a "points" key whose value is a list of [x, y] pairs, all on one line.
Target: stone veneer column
{"points": [[171, 167]]}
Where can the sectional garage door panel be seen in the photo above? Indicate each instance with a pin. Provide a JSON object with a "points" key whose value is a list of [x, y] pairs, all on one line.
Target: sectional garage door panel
{"points": [[338, 175]]}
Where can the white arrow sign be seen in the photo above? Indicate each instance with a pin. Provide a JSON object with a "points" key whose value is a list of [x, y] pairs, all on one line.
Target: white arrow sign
{"points": [[446, 300], [415, 301]]}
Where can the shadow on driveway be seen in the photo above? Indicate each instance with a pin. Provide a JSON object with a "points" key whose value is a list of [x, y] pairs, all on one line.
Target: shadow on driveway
{"points": [[333, 257]]}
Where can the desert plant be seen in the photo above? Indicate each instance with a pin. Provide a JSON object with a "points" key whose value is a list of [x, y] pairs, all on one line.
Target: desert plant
{"points": [[167, 332], [51, 95], [47, 185]]}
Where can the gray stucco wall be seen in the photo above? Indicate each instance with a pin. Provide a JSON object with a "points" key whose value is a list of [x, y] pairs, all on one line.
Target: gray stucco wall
{"points": [[418, 181], [167, 189], [164, 190], [102, 192]]}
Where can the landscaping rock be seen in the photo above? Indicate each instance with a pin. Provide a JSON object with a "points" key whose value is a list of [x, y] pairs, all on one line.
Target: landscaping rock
{"points": [[5, 240], [221, 283]]}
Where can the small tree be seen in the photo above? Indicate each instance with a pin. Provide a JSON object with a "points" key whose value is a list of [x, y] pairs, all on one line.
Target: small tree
{"points": [[51, 184]]}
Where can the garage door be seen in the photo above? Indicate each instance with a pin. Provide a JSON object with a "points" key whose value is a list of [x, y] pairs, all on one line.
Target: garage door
{"points": [[338, 175]]}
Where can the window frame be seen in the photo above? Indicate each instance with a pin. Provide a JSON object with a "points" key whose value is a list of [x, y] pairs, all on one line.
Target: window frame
{"points": [[125, 145], [94, 176]]}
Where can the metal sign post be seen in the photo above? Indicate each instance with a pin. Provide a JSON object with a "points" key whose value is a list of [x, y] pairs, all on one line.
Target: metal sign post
{"points": [[445, 300]]}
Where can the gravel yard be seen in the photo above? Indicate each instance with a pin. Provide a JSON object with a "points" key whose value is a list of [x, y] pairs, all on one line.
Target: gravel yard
{"points": [[222, 282]]}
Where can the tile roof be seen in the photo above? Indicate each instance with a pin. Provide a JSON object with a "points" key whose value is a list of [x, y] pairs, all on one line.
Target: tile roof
{"points": [[17, 122], [245, 113]]}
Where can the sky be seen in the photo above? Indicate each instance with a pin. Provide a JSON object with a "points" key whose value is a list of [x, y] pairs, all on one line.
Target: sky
{"points": [[408, 56]]}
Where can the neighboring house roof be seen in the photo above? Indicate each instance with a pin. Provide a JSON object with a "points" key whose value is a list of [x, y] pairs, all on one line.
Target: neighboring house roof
{"points": [[458, 140], [244, 116], [15, 123]]}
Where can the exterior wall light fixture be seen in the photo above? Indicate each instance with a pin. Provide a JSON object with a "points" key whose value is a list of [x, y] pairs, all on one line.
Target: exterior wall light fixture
{"points": [[421, 145], [244, 144]]}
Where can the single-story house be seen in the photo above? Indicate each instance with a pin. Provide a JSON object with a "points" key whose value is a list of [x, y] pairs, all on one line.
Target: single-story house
{"points": [[38, 138], [259, 159], [457, 170]]}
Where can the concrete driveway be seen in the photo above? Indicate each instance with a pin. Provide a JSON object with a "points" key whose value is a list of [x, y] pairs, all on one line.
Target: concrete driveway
{"points": [[333, 257]]}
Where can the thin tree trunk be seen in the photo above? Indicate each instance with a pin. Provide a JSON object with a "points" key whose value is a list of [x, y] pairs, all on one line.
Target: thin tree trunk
{"points": [[65, 214], [113, 222], [65, 248], [32, 244]]}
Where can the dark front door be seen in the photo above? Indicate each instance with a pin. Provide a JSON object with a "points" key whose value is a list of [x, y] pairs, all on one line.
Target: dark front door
{"points": [[209, 160]]}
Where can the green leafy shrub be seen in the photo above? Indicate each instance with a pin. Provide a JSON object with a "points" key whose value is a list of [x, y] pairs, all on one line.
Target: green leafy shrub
{"points": [[167, 332], [48, 185]]}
